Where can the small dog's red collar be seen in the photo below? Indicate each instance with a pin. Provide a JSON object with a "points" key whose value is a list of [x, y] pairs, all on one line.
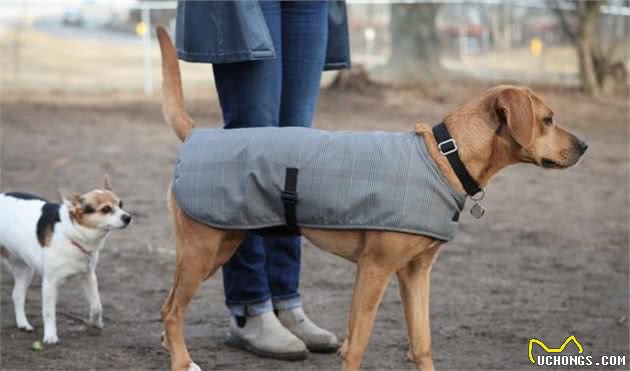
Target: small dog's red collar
{"points": [[78, 245]]}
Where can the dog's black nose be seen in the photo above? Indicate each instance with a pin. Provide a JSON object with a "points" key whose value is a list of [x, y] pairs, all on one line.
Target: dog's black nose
{"points": [[582, 146], [126, 218]]}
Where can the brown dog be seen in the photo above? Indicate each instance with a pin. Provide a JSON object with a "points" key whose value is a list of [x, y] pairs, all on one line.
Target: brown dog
{"points": [[506, 125]]}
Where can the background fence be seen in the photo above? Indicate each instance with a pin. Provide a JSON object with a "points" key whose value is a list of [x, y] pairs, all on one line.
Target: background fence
{"points": [[97, 46]]}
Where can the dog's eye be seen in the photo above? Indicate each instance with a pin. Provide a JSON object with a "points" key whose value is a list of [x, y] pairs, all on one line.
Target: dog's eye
{"points": [[120, 204], [548, 121], [87, 209], [106, 209]]}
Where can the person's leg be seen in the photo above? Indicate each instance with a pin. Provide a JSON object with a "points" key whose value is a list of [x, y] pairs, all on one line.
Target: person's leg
{"points": [[249, 98], [249, 94], [304, 38], [283, 271], [245, 281]]}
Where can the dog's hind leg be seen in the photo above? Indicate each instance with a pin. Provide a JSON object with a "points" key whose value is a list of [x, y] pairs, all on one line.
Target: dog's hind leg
{"points": [[200, 252], [414, 279], [22, 277]]}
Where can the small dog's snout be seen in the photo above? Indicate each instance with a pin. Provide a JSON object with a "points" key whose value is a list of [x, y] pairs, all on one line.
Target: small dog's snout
{"points": [[582, 146], [126, 218]]}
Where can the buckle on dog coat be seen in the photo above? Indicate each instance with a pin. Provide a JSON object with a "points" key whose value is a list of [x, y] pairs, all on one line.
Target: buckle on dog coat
{"points": [[289, 199]]}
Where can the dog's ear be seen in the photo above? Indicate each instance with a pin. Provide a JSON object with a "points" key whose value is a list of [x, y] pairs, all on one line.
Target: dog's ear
{"points": [[515, 108], [108, 183], [72, 200]]}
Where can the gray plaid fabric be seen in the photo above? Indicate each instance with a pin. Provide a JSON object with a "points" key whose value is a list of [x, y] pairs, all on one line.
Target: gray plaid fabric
{"points": [[233, 179]]}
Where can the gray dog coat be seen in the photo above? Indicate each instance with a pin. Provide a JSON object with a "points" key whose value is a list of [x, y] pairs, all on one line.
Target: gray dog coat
{"points": [[234, 179]]}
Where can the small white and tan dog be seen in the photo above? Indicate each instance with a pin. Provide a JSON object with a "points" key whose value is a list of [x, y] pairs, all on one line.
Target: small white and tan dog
{"points": [[57, 241]]}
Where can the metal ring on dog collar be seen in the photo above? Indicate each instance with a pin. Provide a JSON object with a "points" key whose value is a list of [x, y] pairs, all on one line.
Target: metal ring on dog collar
{"points": [[478, 196]]}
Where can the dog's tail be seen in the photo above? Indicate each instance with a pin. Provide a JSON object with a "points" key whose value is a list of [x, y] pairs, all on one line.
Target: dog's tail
{"points": [[172, 92]]}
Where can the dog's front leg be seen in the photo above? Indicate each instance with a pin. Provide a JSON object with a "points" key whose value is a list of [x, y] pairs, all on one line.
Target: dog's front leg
{"points": [[90, 288], [414, 280], [370, 285], [49, 302]]}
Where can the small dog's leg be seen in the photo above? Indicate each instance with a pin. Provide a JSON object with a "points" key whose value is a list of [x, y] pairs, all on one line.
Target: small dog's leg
{"points": [[90, 288], [22, 275], [49, 302], [414, 280]]}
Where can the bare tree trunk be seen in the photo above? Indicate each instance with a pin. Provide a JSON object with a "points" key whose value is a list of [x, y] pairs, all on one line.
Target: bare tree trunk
{"points": [[500, 20], [415, 47], [588, 18], [600, 72]]}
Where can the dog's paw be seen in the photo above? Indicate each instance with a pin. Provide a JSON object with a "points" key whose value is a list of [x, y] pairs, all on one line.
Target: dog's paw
{"points": [[410, 357], [96, 319], [51, 339], [343, 349], [25, 327], [163, 340], [96, 323], [193, 367]]}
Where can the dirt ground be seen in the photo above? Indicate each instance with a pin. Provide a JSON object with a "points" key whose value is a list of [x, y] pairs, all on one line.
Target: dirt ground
{"points": [[549, 259]]}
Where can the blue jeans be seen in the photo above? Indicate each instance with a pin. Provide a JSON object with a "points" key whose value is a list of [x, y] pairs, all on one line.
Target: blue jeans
{"points": [[275, 92]]}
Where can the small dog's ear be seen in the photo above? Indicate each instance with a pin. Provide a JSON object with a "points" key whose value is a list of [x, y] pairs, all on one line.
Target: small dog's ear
{"points": [[108, 183], [72, 200]]}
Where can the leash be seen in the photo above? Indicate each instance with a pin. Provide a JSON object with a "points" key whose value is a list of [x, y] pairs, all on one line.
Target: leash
{"points": [[448, 148]]}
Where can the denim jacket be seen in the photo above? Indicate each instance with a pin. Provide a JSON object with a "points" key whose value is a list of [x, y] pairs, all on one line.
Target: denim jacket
{"points": [[235, 31]]}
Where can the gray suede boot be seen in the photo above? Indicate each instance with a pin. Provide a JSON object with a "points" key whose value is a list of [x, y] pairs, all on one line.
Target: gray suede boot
{"points": [[265, 336], [316, 339]]}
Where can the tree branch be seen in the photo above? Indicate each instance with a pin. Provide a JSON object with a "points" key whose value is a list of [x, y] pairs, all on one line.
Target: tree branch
{"points": [[564, 21]]}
